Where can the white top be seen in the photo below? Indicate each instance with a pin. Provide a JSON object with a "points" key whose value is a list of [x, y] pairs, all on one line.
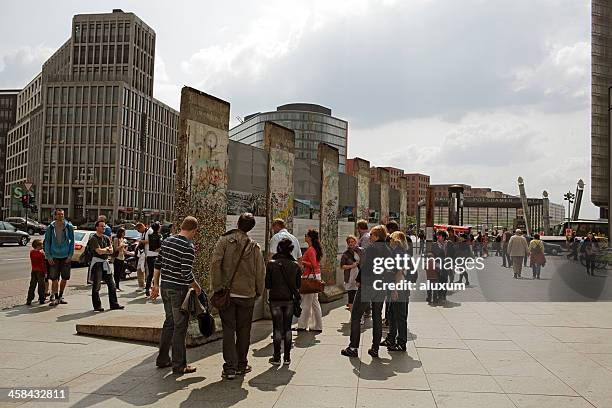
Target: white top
{"points": [[282, 234], [146, 237]]}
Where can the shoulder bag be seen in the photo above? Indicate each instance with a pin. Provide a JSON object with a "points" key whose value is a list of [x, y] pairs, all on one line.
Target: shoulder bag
{"points": [[221, 298]]}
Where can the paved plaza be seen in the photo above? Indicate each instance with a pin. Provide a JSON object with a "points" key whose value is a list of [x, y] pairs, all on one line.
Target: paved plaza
{"points": [[467, 354]]}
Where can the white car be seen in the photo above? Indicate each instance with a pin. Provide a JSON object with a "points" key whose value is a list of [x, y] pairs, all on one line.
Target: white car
{"points": [[81, 238]]}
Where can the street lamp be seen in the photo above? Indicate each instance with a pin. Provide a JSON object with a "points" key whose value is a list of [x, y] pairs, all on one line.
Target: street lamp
{"points": [[569, 197]]}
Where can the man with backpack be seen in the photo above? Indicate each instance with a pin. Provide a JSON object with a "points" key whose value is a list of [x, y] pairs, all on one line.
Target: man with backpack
{"points": [[152, 244]]}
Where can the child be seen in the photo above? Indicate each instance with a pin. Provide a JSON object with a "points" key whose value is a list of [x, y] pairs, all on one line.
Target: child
{"points": [[39, 271], [432, 277]]}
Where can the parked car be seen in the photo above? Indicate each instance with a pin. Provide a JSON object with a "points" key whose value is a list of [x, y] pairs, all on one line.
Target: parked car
{"points": [[81, 238], [88, 226], [127, 226], [33, 226], [8, 234], [552, 249]]}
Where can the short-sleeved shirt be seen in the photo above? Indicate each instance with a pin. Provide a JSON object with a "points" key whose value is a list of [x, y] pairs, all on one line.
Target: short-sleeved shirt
{"points": [[279, 236], [99, 242]]}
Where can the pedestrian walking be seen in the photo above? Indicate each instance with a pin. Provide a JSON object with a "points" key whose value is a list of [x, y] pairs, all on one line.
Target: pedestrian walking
{"points": [[350, 265], [237, 265], [100, 269], [59, 248], [517, 250], [152, 244], [506, 260], [141, 265], [38, 273], [440, 251], [590, 249], [498, 241], [397, 337], [378, 248], [485, 245], [119, 252], [283, 278], [432, 277], [462, 250], [173, 277], [536, 255], [422, 240], [312, 315], [280, 233]]}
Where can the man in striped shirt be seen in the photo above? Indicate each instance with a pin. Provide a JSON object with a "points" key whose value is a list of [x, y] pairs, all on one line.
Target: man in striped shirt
{"points": [[174, 266]]}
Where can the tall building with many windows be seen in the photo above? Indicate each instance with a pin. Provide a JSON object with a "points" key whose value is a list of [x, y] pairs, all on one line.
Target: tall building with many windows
{"points": [[601, 80], [312, 124], [84, 147], [8, 113]]}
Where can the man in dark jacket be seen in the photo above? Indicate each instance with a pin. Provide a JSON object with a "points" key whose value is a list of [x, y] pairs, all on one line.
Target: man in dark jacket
{"points": [[283, 279]]}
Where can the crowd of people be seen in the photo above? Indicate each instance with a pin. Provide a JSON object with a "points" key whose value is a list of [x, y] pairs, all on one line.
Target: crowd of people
{"points": [[240, 273]]}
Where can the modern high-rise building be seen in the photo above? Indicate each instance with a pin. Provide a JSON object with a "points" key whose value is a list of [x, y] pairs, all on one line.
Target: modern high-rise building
{"points": [[601, 81], [312, 124], [8, 113], [82, 140]]}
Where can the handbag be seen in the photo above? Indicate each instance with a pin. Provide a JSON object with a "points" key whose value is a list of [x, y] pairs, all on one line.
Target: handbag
{"points": [[221, 298], [295, 297], [309, 285]]}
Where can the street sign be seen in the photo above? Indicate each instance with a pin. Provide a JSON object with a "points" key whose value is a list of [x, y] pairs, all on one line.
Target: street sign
{"points": [[28, 185]]}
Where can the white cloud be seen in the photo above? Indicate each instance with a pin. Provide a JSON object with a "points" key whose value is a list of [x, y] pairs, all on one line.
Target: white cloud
{"points": [[19, 65]]}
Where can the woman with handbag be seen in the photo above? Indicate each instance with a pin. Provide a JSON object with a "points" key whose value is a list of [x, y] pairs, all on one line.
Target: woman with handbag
{"points": [[312, 271], [283, 278]]}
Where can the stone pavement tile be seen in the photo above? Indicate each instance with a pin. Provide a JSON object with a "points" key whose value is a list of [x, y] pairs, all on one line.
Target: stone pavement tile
{"points": [[603, 401], [527, 333], [440, 343], [433, 330], [43, 348], [11, 377], [20, 360], [137, 366], [294, 396], [62, 368], [467, 383], [536, 346], [501, 345], [548, 401], [384, 398], [445, 399], [550, 320], [324, 366], [394, 370], [510, 362], [484, 331], [446, 361], [584, 348], [581, 335], [604, 360], [549, 385], [103, 384]]}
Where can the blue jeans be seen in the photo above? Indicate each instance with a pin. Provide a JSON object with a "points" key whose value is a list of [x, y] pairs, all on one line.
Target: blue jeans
{"points": [[174, 331], [536, 270]]}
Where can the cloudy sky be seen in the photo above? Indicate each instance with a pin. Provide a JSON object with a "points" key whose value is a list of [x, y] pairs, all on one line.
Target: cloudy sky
{"points": [[469, 91]]}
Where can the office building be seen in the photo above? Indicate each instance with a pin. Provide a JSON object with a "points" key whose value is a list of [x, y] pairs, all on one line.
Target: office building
{"points": [[416, 188], [312, 124], [601, 80], [83, 147], [8, 114]]}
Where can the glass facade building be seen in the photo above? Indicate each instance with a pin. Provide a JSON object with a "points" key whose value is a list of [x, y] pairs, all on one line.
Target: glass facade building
{"points": [[8, 114], [312, 124]]}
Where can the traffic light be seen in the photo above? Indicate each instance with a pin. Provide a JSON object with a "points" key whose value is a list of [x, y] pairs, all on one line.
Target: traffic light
{"points": [[32, 199], [25, 200]]}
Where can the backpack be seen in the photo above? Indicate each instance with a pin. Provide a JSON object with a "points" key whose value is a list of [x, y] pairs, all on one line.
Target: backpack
{"points": [[536, 250], [154, 241]]}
